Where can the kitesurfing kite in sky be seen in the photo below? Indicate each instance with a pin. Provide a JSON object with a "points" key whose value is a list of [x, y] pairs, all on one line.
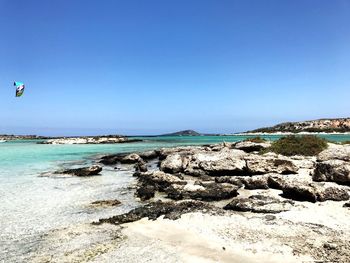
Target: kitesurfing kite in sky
{"points": [[19, 88]]}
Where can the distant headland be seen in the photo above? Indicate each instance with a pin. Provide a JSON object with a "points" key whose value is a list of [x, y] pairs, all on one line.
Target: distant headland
{"points": [[338, 125]]}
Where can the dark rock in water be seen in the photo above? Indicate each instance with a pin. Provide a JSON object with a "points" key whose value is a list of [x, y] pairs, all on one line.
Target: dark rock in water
{"points": [[259, 204], [84, 171], [170, 210], [333, 170], [112, 159], [205, 191], [314, 192], [103, 203], [140, 167]]}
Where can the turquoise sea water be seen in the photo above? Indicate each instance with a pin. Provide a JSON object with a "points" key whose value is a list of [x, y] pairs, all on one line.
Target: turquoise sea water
{"points": [[30, 205]]}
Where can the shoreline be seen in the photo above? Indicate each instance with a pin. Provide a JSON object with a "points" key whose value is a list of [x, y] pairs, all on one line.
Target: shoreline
{"points": [[206, 203], [187, 220]]}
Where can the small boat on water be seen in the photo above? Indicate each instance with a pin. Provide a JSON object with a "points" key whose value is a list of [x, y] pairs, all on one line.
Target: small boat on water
{"points": [[2, 140]]}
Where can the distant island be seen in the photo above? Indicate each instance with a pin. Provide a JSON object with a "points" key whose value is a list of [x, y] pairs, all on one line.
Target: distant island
{"points": [[340, 125], [183, 133]]}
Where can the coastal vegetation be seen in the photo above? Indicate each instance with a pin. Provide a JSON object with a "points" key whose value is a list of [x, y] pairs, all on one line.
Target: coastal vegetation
{"points": [[307, 145]]}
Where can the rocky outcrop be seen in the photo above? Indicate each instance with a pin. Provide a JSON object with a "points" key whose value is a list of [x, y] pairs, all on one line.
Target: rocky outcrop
{"points": [[259, 204], [335, 152], [131, 158], [170, 210], [333, 170], [224, 162], [160, 179], [249, 182], [205, 191], [255, 182], [259, 164], [174, 163], [249, 146], [313, 192], [123, 158], [84, 171], [149, 155], [145, 192], [322, 125]]}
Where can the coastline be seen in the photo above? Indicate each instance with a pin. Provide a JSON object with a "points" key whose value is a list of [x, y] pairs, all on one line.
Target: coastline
{"points": [[202, 231], [292, 133], [199, 231]]}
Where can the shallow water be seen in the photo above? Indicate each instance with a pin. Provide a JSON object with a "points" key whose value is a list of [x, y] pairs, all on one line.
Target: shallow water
{"points": [[31, 206]]}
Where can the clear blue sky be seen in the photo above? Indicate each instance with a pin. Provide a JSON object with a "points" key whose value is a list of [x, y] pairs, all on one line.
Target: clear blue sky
{"points": [[148, 67]]}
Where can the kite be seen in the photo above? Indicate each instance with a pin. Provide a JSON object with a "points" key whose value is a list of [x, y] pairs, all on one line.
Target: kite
{"points": [[19, 88]]}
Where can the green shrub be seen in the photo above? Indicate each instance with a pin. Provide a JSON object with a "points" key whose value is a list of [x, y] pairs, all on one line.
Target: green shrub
{"points": [[308, 145], [256, 139], [345, 142]]}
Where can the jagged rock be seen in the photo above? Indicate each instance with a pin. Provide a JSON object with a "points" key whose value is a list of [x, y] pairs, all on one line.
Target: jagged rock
{"points": [[173, 163], [84, 171], [275, 182], [112, 158], [170, 210], [149, 155], [140, 167], [230, 180], [259, 204], [201, 163], [145, 192], [249, 146], [335, 151], [258, 164], [333, 193], [205, 191], [131, 158], [120, 158], [332, 170], [255, 182], [313, 192], [249, 182], [224, 162], [104, 203], [305, 162], [160, 179]]}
